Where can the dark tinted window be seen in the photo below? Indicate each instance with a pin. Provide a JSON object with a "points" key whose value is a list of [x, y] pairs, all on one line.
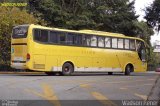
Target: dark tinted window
{"points": [[141, 50], [20, 32], [74, 39], [78, 40], [41, 35], [62, 38], [53, 37], [70, 38]]}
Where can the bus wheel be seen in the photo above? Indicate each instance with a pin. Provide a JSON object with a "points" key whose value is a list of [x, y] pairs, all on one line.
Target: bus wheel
{"points": [[128, 70], [110, 73], [67, 69]]}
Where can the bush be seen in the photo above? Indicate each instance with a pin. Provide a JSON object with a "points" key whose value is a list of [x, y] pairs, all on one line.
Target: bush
{"points": [[10, 17]]}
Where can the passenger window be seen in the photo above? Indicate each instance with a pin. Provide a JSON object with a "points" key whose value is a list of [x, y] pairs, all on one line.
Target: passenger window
{"points": [[70, 38], [44, 36], [126, 43], [100, 41], [120, 44], [132, 45], [141, 50], [107, 42], [62, 38], [94, 41], [78, 40], [41, 35], [86, 40], [37, 34], [114, 42], [53, 37], [74, 39]]}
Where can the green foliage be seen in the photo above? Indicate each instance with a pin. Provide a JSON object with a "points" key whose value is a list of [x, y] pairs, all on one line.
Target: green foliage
{"points": [[154, 60], [10, 17], [143, 31], [115, 16], [105, 15], [153, 15]]}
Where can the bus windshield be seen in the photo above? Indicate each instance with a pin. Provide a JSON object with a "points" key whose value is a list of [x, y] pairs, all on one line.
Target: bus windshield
{"points": [[141, 50], [20, 32]]}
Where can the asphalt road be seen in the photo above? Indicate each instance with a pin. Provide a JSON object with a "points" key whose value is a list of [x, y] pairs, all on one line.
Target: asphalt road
{"points": [[80, 89]]}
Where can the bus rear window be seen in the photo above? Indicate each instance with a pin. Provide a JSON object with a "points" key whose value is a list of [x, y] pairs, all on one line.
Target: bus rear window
{"points": [[20, 32]]}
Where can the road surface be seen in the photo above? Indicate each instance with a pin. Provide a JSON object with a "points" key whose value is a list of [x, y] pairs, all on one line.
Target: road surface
{"points": [[76, 90]]}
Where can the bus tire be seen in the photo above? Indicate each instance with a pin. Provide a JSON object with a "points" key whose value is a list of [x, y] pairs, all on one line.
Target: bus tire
{"points": [[110, 73], [67, 69], [128, 70]]}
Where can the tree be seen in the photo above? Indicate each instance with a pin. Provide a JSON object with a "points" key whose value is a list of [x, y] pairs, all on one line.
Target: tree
{"points": [[71, 14], [106, 15], [115, 16], [10, 17], [143, 31], [153, 15]]}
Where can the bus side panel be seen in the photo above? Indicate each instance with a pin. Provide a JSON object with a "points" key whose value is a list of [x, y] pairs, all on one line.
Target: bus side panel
{"points": [[113, 61], [139, 65], [84, 64], [121, 59], [39, 62], [52, 63]]}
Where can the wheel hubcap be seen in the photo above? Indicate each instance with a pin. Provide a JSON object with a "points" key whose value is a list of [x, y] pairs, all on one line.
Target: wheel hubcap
{"points": [[66, 69]]}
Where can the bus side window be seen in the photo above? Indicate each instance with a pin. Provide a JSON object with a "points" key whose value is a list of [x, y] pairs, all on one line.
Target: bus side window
{"points": [[78, 40], [44, 36], [100, 41], [70, 39], [37, 34], [86, 40], [93, 41], [120, 43], [114, 43], [74, 39], [53, 37], [132, 45], [108, 42], [62, 38], [141, 50], [127, 44], [41, 35]]}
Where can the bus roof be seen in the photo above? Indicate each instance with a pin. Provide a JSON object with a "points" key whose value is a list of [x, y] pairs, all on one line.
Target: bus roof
{"points": [[92, 32]]}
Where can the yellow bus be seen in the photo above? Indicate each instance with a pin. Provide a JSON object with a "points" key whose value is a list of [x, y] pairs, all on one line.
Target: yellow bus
{"points": [[50, 50]]}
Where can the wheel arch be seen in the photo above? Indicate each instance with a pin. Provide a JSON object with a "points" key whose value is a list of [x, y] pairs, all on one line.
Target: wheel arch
{"points": [[70, 63], [131, 65]]}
